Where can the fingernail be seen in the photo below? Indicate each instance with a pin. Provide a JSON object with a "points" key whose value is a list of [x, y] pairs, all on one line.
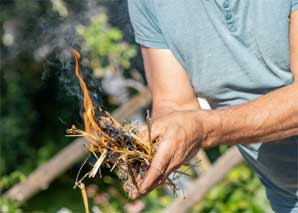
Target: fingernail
{"points": [[134, 194], [126, 187]]}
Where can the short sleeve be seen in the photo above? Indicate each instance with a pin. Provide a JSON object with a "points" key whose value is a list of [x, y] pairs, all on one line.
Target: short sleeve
{"points": [[294, 5], [146, 27]]}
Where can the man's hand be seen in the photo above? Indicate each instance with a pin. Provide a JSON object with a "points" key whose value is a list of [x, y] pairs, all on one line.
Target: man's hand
{"points": [[180, 134], [173, 109]]}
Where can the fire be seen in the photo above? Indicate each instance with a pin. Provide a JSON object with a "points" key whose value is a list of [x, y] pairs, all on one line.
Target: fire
{"points": [[103, 131], [113, 144], [89, 113]]}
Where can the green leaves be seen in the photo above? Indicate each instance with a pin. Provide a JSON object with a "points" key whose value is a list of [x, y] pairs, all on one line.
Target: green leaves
{"points": [[11, 179], [236, 193], [108, 51], [8, 206]]}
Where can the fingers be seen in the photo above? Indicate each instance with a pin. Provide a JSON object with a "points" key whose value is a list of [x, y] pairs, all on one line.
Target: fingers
{"points": [[161, 165], [130, 189], [156, 172], [129, 186], [126, 186]]}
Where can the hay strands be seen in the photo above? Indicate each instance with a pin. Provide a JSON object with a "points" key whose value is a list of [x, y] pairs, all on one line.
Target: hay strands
{"points": [[114, 145], [117, 145]]}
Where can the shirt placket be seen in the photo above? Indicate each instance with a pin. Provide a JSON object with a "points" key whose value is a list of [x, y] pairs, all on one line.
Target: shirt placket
{"points": [[229, 15]]}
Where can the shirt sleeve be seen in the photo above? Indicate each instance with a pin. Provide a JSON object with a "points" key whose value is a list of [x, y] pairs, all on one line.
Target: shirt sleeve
{"points": [[145, 24], [294, 5]]}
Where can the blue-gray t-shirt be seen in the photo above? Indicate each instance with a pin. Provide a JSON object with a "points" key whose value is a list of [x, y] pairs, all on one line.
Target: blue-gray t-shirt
{"points": [[233, 51]]}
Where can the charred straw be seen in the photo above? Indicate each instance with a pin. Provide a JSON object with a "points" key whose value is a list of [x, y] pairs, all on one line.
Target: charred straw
{"points": [[115, 145]]}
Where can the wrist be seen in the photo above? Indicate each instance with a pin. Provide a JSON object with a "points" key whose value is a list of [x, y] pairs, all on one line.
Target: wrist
{"points": [[163, 107], [158, 112], [211, 126]]}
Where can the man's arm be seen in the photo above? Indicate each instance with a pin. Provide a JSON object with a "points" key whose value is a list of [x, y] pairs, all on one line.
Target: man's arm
{"points": [[294, 44], [169, 83], [270, 117], [273, 116]]}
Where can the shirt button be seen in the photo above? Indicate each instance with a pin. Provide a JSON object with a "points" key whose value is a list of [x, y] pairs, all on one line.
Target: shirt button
{"points": [[226, 4], [228, 16], [232, 28]]}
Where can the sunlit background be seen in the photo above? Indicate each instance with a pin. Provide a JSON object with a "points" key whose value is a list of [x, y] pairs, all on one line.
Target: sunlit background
{"points": [[41, 98]]}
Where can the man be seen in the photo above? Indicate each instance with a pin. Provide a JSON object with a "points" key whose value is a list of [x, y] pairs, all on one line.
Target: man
{"points": [[242, 57]]}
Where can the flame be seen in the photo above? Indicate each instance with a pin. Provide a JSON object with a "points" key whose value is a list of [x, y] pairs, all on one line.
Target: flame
{"points": [[93, 131], [89, 113], [89, 110]]}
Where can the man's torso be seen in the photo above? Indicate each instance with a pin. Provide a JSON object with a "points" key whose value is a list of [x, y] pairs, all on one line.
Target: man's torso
{"points": [[235, 51]]}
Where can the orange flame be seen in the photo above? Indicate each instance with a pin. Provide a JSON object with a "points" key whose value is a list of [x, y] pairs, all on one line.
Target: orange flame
{"points": [[93, 131], [89, 113]]}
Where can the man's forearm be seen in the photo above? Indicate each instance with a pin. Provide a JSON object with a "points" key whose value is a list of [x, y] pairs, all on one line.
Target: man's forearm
{"points": [[270, 117]]}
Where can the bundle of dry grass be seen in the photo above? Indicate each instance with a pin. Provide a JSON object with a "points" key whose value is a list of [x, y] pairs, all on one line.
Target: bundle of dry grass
{"points": [[115, 145]]}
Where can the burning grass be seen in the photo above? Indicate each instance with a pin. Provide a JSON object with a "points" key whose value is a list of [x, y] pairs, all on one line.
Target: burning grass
{"points": [[115, 145]]}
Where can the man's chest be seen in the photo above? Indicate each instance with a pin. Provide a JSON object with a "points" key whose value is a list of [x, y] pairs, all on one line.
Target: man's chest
{"points": [[204, 29], [222, 42]]}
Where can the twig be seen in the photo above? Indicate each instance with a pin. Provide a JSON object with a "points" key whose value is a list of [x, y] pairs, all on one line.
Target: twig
{"points": [[98, 163], [79, 172], [148, 123], [84, 195]]}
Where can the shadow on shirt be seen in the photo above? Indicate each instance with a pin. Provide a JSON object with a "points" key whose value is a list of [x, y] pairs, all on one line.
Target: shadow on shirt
{"points": [[279, 162]]}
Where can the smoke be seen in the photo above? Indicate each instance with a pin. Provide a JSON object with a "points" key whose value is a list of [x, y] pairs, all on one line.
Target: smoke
{"points": [[45, 31], [40, 28], [57, 38], [70, 84], [43, 28]]}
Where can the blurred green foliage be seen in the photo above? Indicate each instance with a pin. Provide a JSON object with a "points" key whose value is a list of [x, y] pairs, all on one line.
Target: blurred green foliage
{"points": [[105, 45], [240, 191], [7, 206], [15, 106], [35, 111]]}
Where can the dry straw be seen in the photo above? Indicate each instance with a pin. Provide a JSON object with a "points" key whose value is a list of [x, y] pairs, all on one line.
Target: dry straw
{"points": [[115, 145]]}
